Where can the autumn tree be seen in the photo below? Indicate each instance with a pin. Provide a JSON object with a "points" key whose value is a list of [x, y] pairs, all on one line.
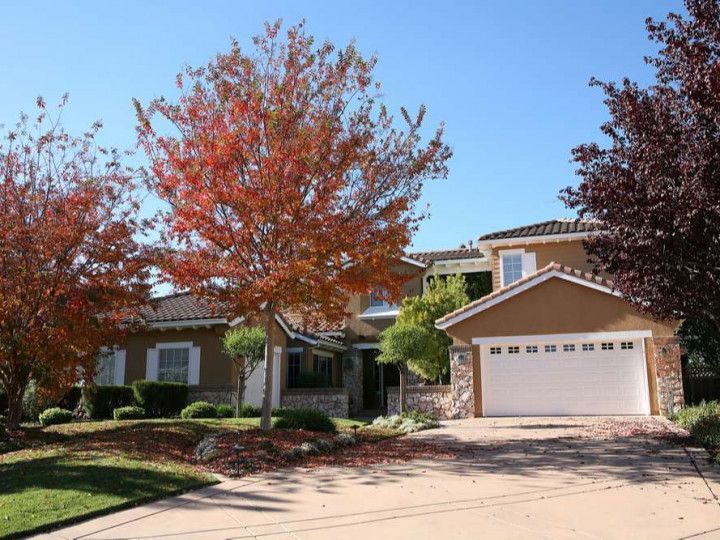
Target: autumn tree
{"points": [[289, 186], [655, 187], [245, 345], [71, 270]]}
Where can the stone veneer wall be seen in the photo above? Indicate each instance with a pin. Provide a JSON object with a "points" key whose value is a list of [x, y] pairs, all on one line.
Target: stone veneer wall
{"points": [[333, 401], [212, 394], [352, 378], [436, 400], [461, 381], [669, 374]]}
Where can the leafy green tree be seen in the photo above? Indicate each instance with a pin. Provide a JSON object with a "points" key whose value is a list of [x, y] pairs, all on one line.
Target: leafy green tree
{"points": [[701, 339], [441, 297], [245, 346], [403, 345]]}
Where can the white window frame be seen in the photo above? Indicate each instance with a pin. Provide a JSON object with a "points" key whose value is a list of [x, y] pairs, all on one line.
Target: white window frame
{"points": [[377, 302], [153, 372], [509, 252]]}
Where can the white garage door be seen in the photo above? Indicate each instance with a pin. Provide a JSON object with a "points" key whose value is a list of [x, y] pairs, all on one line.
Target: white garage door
{"points": [[564, 378]]}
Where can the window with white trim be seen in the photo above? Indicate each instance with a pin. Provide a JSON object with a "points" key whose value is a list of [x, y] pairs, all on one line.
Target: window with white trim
{"points": [[495, 350], [376, 300], [586, 347], [513, 350], [511, 268], [626, 345], [569, 347], [105, 370], [531, 349], [294, 366], [607, 346], [173, 364], [550, 348]]}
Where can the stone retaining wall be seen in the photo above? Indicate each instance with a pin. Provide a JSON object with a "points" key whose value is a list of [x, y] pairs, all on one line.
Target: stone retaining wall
{"points": [[212, 394], [436, 400], [333, 401]]}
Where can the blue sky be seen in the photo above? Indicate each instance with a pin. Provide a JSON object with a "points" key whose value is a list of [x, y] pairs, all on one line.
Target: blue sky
{"points": [[509, 78]]}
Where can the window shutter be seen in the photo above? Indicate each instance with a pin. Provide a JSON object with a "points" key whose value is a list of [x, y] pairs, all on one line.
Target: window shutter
{"points": [[529, 265], [151, 365], [120, 366], [194, 366]]}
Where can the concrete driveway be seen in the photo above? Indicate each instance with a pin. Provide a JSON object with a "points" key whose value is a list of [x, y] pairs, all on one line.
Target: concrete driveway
{"points": [[512, 478]]}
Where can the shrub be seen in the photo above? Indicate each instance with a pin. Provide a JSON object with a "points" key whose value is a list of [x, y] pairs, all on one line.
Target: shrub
{"points": [[309, 449], [703, 422], [99, 401], [324, 445], [225, 411], [55, 415], [248, 410], [129, 413], [408, 422], [199, 409], [279, 412], [312, 379], [309, 419], [344, 439], [71, 399], [160, 399]]}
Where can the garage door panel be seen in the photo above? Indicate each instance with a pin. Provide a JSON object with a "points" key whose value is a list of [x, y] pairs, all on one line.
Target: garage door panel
{"points": [[564, 383]]}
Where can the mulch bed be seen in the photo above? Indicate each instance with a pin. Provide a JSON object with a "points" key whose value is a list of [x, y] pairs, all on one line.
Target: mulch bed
{"points": [[648, 428], [264, 451]]}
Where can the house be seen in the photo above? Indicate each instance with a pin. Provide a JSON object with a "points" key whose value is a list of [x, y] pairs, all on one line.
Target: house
{"points": [[541, 336]]}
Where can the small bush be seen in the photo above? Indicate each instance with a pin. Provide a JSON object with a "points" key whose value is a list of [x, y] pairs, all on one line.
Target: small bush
{"points": [[344, 439], [248, 410], [71, 399], [225, 411], [408, 422], [324, 445], [55, 415], [703, 423], [280, 412], [160, 399], [199, 409], [129, 413], [309, 419], [99, 401], [309, 449]]}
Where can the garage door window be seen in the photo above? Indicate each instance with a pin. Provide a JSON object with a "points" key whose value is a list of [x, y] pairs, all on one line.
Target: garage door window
{"points": [[513, 350], [569, 348], [588, 347], [531, 349], [495, 350], [626, 345], [607, 347], [550, 348]]}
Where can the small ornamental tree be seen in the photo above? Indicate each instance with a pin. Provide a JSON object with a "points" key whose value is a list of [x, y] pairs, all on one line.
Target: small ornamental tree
{"points": [[245, 346], [441, 297], [401, 345], [655, 189], [70, 269], [289, 186]]}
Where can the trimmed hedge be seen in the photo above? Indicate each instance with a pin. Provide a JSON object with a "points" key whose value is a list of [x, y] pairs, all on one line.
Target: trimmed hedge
{"points": [[225, 411], [248, 410], [128, 413], [160, 399], [100, 401], [55, 415], [309, 419], [71, 399], [199, 409]]}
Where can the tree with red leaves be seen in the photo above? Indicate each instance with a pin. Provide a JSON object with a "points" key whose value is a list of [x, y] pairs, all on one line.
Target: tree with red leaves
{"points": [[289, 186], [656, 188], [70, 270]]}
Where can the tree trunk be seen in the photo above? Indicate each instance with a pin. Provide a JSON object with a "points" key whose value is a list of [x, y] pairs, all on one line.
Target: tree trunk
{"points": [[403, 382], [15, 404], [240, 393], [265, 422]]}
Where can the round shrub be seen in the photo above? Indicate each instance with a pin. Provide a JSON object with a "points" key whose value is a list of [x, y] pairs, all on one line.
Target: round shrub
{"points": [[344, 439], [129, 413], [225, 411], [248, 410], [55, 415], [309, 419], [199, 409]]}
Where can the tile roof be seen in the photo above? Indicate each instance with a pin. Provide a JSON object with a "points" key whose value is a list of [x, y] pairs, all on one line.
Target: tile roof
{"points": [[446, 255], [552, 267], [316, 330], [545, 228], [178, 307]]}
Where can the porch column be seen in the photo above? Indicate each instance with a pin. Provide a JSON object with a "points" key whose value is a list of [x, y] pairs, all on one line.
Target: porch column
{"points": [[669, 374], [352, 378]]}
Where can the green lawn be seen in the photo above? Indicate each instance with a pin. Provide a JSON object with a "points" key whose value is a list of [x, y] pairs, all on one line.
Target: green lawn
{"points": [[74, 471]]}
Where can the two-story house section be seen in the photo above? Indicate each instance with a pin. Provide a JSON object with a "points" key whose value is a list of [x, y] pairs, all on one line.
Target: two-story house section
{"points": [[552, 338]]}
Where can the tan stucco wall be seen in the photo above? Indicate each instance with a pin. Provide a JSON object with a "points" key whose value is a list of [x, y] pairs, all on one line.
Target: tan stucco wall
{"points": [[358, 330], [557, 306], [569, 253]]}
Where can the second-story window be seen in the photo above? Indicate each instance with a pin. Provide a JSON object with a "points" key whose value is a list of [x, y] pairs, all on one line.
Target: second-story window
{"points": [[512, 268], [376, 301]]}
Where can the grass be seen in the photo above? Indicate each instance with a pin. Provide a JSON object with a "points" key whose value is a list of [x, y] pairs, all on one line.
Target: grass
{"points": [[68, 472]]}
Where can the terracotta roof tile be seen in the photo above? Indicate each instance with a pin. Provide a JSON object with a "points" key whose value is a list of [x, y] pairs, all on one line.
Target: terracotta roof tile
{"points": [[545, 228], [446, 255], [553, 266]]}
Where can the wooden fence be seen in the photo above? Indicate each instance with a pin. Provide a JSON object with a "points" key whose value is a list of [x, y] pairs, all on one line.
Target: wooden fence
{"points": [[700, 384]]}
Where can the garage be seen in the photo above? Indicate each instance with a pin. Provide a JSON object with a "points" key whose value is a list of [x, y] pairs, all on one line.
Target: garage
{"points": [[556, 377]]}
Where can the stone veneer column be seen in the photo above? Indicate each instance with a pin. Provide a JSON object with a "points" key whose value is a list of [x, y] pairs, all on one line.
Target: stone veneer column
{"points": [[669, 374], [461, 381], [352, 377]]}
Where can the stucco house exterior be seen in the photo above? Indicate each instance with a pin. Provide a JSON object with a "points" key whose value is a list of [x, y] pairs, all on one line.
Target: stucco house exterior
{"points": [[542, 336]]}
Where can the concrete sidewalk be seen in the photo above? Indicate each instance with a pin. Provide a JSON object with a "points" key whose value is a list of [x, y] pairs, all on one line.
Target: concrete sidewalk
{"points": [[528, 479]]}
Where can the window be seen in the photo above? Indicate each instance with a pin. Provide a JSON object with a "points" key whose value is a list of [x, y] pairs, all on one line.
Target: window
{"points": [[607, 347], [293, 372], [495, 350], [626, 345], [173, 365], [568, 347], [511, 268], [531, 349], [376, 301], [105, 371], [550, 348], [513, 350], [323, 364], [588, 347]]}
